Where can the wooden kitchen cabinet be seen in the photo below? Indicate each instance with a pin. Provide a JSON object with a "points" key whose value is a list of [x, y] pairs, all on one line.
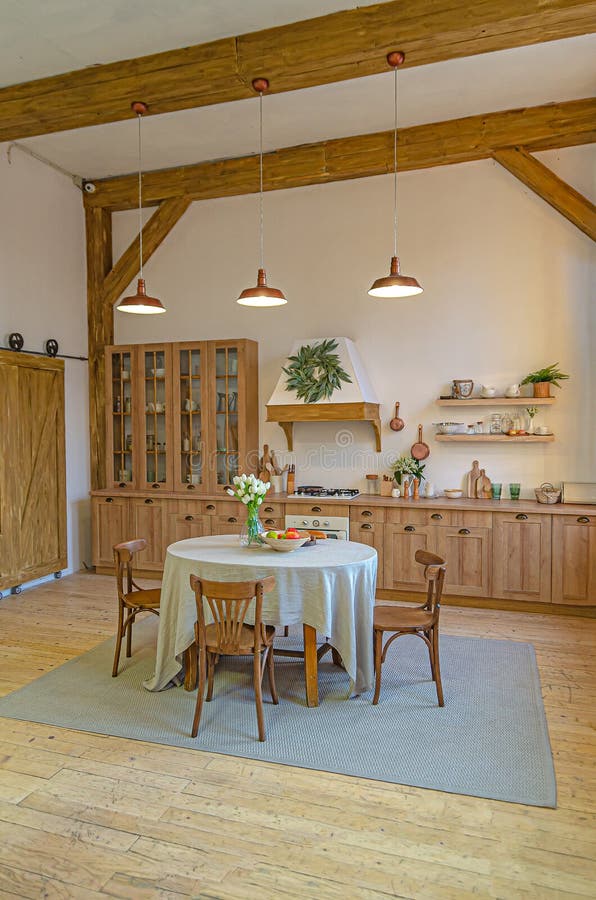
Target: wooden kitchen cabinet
{"points": [[574, 560], [148, 520], [522, 556], [467, 553], [110, 521], [400, 570], [371, 533], [184, 525], [181, 416]]}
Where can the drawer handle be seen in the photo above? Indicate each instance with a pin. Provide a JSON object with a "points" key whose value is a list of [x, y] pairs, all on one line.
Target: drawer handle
{"points": [[191, 487], [155, 485], [584, 520], [232, 519], [109, 499], [409, 528], [210, 506], [148, 500], [521, 516], [367, 512], [464, 531], [269, 521], [366, 527], [122, 484], [315, 509], [269, 509], [436, 516], [189, 518]]}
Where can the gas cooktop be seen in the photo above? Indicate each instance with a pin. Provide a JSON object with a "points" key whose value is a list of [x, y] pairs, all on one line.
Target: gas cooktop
{"points": [[309, 490]]}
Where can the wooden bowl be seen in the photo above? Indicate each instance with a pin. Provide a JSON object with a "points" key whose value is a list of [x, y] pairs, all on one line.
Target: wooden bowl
{"points": [[285, 545]]}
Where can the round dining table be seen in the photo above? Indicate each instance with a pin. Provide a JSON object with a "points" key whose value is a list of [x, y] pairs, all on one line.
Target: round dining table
{"points": [[328, 587]]}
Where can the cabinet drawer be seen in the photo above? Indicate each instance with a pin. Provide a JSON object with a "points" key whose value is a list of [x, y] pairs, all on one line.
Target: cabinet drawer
{"points": [[226, 524], [275, 523], [268, 509], [367, 514], [313, 508], [223, 508], [405, 516]]}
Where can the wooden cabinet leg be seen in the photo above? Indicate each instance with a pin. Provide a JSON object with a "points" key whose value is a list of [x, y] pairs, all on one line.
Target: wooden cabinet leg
{"points": [[311, 679]]}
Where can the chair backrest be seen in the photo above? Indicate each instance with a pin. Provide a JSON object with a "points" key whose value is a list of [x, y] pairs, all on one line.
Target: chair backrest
{"points": [[228, 603], [123, 554], [434, 574]]}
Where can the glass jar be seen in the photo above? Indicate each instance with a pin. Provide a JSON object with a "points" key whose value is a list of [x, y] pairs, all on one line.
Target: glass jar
{"points": [[479, 428], [494, 426], [372, 484], [506, 424]]}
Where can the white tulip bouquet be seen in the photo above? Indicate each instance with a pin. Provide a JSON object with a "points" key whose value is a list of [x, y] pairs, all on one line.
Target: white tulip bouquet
{"points": [[251, 491]]}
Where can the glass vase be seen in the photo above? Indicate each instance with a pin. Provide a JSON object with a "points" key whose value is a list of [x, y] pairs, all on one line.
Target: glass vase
{"points": [[251, 531]]}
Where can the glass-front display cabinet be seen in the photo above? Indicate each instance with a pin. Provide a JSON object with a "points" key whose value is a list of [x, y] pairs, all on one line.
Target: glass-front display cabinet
{"points": [[187, 416]]}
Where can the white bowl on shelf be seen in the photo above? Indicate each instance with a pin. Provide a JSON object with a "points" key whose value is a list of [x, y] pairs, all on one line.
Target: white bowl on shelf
{"points": [[453, 493], [449, 427], [285, 545]]}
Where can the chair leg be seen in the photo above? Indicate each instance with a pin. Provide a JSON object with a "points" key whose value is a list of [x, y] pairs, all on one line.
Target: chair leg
{"points": [[129, 635], [257, 676], [118, 641], [431, 654], [378, 639], [210, 671], [286, 631], [200, 693], [438, 685], [271, 675]]}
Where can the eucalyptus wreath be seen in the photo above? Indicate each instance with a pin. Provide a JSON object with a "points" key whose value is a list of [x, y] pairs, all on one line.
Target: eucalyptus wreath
{"points": [[315, 371]]}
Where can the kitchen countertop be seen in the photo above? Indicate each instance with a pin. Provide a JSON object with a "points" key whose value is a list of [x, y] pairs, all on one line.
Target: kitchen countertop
{"points": [[527, 506]]}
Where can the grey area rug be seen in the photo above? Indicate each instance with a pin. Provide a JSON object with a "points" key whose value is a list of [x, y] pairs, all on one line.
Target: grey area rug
{"points": [[489, 740]]}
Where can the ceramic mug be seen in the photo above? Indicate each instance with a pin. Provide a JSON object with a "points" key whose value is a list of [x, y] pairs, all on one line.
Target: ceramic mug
{"points": [[513, 390], [462, 388], [395, 492]]}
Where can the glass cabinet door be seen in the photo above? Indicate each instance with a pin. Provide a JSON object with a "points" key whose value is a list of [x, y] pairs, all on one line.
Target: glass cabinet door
{"points": [[156, 415], [120, 437], [190, 430], [227, 410]]}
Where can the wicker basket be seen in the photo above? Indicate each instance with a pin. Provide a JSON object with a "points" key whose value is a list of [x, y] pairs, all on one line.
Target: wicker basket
{"points": [[547, 493]]}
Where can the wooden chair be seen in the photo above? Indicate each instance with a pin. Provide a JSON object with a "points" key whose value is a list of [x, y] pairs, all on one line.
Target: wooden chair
{"points": [[423, 621], [132, 599], [228, 636]]}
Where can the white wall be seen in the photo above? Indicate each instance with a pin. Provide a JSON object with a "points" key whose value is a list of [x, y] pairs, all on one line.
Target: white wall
{"points": [[43, 295], [509, 287]]}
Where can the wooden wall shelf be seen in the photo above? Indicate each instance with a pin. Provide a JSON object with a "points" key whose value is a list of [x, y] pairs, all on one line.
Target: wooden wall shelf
{"points": [[500, 438], [286, 414], [499, 401]]}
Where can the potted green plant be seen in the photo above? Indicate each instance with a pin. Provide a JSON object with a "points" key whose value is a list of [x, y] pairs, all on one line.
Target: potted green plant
{"points": [[543, 378], [407, 465]]}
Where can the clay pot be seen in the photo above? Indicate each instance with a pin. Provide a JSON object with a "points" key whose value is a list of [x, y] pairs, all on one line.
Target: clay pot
{"points": [[542, 389]]}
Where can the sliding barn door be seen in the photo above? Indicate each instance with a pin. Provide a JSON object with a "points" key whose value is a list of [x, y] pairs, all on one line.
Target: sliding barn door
{"points": [[33, 526], [8, 487]]}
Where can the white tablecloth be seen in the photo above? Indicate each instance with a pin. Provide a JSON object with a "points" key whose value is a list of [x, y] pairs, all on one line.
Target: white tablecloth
{"points": [[330, 586]]}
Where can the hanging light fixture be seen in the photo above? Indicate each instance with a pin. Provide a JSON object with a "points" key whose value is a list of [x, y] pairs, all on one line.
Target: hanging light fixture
{"points": [[140, 303], [261, 295], [395, 284]]}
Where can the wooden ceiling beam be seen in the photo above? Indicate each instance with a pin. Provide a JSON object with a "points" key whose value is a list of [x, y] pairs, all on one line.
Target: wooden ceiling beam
{"points": [[347, 44], [552, 189], [154, 232], [422, 146]]}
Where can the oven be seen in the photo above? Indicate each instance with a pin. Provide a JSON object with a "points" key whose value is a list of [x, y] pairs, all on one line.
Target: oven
{"points": [[334, 527]]}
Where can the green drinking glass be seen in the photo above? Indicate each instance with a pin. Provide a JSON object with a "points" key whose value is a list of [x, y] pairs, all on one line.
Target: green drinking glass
{"points": [[496, 490], [514, 490]]}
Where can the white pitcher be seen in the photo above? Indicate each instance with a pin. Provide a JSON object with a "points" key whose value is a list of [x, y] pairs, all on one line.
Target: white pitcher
{"points": [[513, 390]]}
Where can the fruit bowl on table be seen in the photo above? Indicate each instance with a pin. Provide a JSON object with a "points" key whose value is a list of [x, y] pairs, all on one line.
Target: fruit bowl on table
{"points": [[285, 544]]}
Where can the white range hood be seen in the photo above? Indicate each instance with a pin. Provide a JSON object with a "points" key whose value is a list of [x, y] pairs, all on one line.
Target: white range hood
{"points": [[354, 401]]}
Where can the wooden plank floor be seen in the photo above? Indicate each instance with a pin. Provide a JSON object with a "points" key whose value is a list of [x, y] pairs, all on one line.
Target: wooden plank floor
{"points": [[87, 816]]}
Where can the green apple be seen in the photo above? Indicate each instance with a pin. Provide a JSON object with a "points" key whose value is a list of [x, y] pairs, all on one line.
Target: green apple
{"points": [[271, 534]]}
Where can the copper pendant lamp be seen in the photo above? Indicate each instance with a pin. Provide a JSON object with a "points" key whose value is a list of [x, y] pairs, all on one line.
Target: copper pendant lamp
{"points": [[262, 295], [140, 303], [395, 284]]}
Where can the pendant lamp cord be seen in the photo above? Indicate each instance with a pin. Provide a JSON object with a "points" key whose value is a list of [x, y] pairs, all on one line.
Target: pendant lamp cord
{"points": [[261, 240], [395, 162], [139, 117]]}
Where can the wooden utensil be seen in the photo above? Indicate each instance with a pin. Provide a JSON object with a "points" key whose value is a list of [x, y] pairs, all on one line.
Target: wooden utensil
{"points": [[420, 450], [471, 479], [396, 424], [483, 486]]}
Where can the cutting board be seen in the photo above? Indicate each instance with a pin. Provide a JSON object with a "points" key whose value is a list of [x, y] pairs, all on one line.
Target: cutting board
{"points": [[483, 486], [471, 479]]}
